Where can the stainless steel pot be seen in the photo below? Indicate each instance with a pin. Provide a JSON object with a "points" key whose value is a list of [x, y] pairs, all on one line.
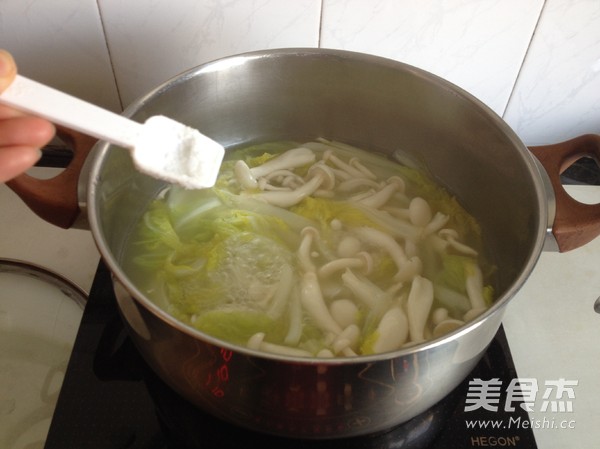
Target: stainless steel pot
{"points": [[373, 103]]}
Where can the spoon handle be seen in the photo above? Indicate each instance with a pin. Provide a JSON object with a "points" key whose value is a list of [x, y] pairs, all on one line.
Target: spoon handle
{"points": [[71, 112]]}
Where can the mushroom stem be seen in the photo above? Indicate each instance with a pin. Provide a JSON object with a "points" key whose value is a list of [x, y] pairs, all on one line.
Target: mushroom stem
{"points": [[355, 183], [364, 290], [356, 163], [339, 264], [474, 286], [313, 303], [285, 178], [282, 292], [257, 343], [438, 221], [353, 172], [340, 174], [392, 331], [296, 157], [321, 176], [308, 235], [411, 268], [363, 260], [393, 226], [346, 340], [378, 199], [295, 327], [407, 268], [451, 236], [244, 176], [263, 184], [418, 306], [287, 199]]}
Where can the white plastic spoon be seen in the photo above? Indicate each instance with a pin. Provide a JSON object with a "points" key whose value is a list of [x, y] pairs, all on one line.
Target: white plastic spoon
{"points": [[161, 147]]}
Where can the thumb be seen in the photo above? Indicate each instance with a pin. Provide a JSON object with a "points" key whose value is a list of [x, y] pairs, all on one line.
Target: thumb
{"points": [[8, 69]]}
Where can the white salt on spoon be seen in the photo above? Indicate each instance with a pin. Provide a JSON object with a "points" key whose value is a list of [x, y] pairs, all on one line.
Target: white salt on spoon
{"points": [[161, 147]]}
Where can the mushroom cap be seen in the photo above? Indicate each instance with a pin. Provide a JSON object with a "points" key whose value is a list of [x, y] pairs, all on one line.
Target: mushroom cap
{"points": [[448, 233], [399, 182], [309, 231], [327, 175]]}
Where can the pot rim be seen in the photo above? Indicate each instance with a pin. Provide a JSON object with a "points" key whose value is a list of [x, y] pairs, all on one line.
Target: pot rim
{"points": [[102, 149]]}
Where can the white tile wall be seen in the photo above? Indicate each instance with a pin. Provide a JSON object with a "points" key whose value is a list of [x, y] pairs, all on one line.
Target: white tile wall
{"points": [[61, 44], [557, 93], [478, 45], [151, 41], [534, 62]]}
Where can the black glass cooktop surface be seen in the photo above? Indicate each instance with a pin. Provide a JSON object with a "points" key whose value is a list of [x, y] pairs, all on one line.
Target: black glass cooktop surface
{"points": [[110, 399]]}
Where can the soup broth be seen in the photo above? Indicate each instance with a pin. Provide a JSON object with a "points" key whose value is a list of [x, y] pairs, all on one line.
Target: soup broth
{"points": [[317, 249]]}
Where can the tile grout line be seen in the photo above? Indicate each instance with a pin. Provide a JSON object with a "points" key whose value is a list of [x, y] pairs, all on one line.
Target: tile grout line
{"points": [[320, 25], [537, 23], [112, 66]]}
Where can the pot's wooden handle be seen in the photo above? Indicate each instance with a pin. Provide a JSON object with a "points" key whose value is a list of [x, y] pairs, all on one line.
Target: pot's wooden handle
{"points": [[576, 223], [56, 199]]}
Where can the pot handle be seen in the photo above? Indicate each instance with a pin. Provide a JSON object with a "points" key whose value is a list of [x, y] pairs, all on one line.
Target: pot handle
{"points": [[575, 223], [56, 200]]}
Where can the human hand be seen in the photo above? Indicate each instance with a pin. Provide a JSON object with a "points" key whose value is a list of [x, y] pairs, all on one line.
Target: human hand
{"points": [[21, 135]]}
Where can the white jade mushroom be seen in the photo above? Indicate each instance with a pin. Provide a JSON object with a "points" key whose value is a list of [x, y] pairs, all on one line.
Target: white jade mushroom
{"points": [[473, 313], [474, 286], [353, 172], [344, 342], [411, 268], [364, 290], [309, 234], [392, 331], [419, 212], [384, 241], [257, 343], [378, 199], [418, 306], [321, 170], [286, 178], [356, 163], [244, 177], [320, 177], [325, 353], [344, 312], [438, 221], [348, 246], [362, 260], [282, 292], [355, 183], [446, 326], [451, 237], [438, 315], [296, 157], [313, 303], [247, 177], [407, 268]]}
